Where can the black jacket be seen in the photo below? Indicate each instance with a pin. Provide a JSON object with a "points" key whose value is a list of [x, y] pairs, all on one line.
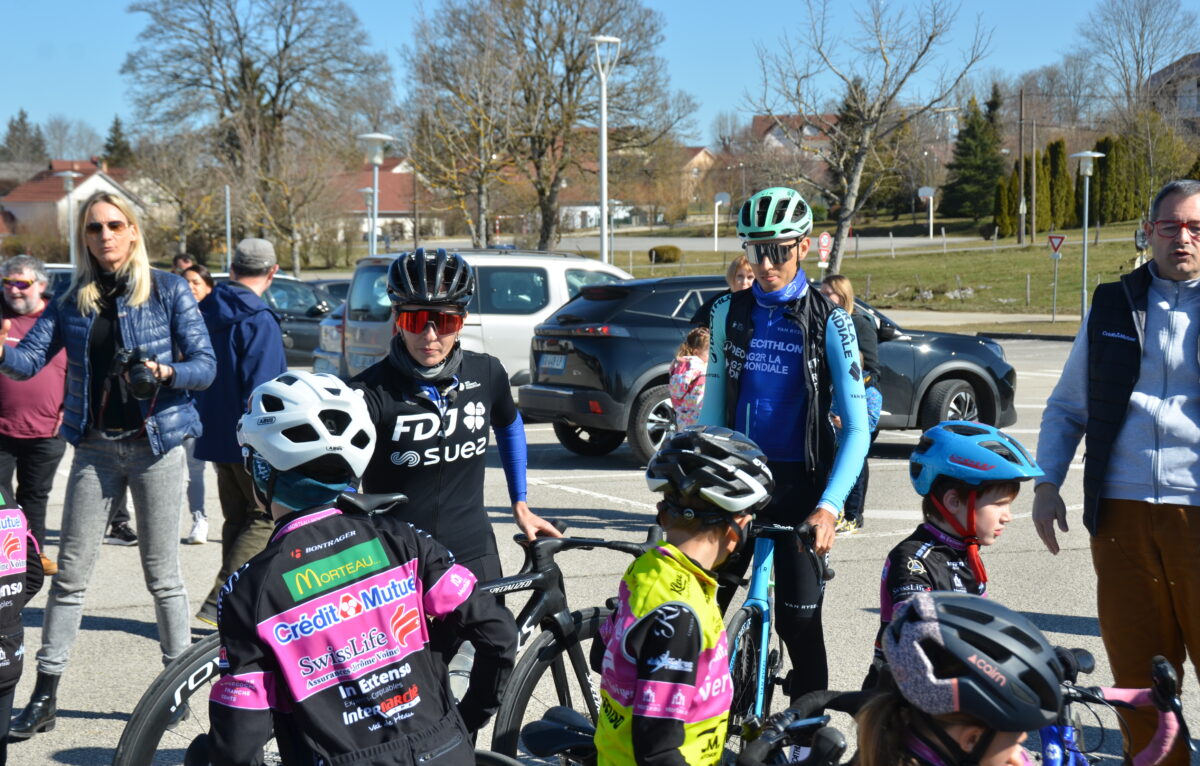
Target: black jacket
{"points": [[20, 579], [438, 460], [324, 634]]}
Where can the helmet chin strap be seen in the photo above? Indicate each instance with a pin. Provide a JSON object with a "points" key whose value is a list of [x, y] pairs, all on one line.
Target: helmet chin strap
{"points": [[968, 537], [959, 757]]}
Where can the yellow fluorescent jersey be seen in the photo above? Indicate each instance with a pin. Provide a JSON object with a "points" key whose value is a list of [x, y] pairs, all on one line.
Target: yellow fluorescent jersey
{"points": [[665, 688]]}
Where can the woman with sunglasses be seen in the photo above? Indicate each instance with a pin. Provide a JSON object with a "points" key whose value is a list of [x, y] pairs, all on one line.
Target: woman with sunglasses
{"points": [[432, 402], [780, 355], [135, 345]]}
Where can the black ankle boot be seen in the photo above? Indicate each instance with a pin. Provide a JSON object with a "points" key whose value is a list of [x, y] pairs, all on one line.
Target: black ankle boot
{"points": [[39, 714]]}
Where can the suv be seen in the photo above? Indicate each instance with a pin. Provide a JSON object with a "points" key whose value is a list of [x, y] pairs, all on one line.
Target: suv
{"points": [[514, 291], [601, 368]]}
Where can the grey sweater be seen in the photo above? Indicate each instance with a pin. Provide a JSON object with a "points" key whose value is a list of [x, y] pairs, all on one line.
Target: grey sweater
{"points": [[1157, 455]]}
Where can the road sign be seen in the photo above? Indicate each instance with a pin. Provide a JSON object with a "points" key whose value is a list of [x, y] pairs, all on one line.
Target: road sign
{"points": [[824, 245], [1056, 241], [926, 192], [721, 198]]}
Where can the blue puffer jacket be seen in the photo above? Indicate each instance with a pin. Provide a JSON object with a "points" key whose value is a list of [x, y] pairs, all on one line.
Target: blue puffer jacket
{"points": [[167, 326]]}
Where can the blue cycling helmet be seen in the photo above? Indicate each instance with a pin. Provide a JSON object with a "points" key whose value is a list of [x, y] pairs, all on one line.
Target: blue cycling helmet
{"points": [[973, 453]]}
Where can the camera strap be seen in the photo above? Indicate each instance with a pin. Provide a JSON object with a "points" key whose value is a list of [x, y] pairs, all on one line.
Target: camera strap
{"points": [[126, 434]]}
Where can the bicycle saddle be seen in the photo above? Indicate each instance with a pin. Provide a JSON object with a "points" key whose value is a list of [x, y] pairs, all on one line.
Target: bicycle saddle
{"points": [[369, 505], [562, 731]]}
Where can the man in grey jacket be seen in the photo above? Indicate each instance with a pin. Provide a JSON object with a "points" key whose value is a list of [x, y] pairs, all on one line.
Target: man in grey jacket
{"points": [[1131, 389]]}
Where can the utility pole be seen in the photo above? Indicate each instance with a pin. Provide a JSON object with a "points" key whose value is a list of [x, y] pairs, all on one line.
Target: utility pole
{"points": [[1021, 170]]}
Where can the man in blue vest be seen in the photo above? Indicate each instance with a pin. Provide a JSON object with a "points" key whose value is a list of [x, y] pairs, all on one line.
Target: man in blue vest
{"points": [[1131, 390]]}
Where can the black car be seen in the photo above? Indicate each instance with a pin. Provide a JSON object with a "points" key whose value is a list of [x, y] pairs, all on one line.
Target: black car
{"points": [[600, 368]]}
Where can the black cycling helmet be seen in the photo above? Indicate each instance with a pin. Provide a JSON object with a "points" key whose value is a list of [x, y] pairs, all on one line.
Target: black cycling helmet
{"points": [[430, 278], [958, 653], [718, 465]]}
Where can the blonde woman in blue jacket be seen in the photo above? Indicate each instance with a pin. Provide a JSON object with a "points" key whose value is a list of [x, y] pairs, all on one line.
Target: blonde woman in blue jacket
{"points": [[135, 345]]}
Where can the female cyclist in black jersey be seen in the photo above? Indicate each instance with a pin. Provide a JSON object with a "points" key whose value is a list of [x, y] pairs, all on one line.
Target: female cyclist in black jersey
{"points": [[432, 403], [968, 678]]}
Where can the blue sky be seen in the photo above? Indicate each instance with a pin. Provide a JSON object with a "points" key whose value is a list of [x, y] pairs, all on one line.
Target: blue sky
{"points": [[64, 56]]}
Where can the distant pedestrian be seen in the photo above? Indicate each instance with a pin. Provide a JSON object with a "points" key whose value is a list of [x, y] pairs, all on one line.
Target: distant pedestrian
{"points": [[687, 377], [181, 263], [202, 284], [739, 276], [30, 445], [248, 344]]}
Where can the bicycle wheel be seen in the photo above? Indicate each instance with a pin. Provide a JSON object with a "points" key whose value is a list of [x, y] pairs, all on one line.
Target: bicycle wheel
{"points": [[745, 651], [154, 735], [570, 681]]}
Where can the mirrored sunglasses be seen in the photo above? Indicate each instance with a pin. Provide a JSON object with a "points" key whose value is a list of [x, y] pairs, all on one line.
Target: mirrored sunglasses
{"points": [[415, 322], [20, 284], [775, 252]]}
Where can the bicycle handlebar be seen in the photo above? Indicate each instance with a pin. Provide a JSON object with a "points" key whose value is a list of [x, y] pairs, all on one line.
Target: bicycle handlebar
{"points": [[827, 745], [554, 545]]}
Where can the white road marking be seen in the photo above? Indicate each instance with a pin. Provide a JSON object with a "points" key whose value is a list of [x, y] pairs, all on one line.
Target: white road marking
{"points": [[596, 495]]}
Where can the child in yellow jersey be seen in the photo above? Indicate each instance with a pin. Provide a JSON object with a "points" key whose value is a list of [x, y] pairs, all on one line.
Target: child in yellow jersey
{"points": [[665, 689]]}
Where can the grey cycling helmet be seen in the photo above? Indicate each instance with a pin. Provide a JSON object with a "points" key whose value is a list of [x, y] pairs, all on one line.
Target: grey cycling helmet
{"points": [[773, 215], [430, 278], [718, 465], [958, 653]]}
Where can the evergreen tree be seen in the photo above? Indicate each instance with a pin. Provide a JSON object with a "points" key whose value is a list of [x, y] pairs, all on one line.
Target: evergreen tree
{"points": [[1194, 170], [1062, 190], [992, 111], [976, 167], [23, 141], [1014, 198], [1044, 216], [117, 151], [1106, 181], [1004, 222]]}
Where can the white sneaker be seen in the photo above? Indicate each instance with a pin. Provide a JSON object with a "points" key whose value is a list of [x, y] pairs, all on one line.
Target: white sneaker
{"points": [[199, 533]]}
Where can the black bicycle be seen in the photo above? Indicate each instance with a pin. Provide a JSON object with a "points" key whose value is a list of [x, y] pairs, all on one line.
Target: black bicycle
{"points": [[553, 670]]}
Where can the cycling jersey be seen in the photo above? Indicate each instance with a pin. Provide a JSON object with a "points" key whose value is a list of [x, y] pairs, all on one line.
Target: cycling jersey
{"points": [[430, 445], [21, 578], [324, 634], [927, 560], [775, 367], [665, 689]]}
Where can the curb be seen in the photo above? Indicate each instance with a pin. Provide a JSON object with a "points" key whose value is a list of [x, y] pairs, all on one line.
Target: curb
{"points": [[1024, 336]]}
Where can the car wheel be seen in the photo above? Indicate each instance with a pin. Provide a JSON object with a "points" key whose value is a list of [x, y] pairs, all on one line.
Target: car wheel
{"points": [[652, 422], [952, 399], [589, 442]]}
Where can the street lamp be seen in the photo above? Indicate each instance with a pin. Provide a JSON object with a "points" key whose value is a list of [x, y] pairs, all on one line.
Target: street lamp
{"points": [[1085, 170], [607, 51], [68, 177], [374, 143], [368, 195], [721, 198]]}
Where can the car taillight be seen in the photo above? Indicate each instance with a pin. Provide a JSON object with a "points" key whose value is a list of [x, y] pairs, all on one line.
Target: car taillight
{"points": [[590, 331], [594, 407]]}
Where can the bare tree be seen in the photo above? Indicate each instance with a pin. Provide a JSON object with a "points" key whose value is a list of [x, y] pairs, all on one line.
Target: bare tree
{"points": [[556, 86], [890, 48], [181, 170], [457, 122], [71, 139], [271, 78], [1129, 40]]}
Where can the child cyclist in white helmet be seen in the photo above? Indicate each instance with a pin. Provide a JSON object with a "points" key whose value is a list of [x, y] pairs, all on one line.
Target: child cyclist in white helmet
{"points": [[324, 633]]}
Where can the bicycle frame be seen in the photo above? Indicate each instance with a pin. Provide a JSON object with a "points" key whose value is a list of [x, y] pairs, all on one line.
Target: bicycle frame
{"points": [[759, 595]]}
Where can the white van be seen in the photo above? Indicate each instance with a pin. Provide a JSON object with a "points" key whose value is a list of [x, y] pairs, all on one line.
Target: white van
{"points": [[515, 291]]}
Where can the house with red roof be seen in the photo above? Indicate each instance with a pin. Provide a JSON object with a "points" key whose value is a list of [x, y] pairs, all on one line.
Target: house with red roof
{"points": [[401, 194], [40, 203]]}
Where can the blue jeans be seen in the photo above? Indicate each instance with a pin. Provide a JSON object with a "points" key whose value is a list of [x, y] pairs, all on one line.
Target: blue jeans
{"points": [[100, 472]]}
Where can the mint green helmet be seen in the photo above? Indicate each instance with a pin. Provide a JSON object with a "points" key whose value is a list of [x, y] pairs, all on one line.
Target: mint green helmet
{"points": [[774, 214]]}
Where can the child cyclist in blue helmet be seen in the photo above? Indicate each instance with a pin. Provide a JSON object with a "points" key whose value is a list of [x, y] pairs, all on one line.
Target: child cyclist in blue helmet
{"points": [[968, 475]]}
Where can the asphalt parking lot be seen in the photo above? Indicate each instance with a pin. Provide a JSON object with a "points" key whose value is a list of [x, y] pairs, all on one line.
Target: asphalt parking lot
{"points": [[116, 655]]}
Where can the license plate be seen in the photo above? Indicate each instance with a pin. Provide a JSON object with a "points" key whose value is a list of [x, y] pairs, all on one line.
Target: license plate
{"points": [[551, 363]]}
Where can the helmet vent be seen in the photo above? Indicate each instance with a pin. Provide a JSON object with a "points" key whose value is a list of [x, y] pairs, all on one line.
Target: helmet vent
{"points": [[1001, 450], [301, 433], [334, 391], [335, 421], [361, 440], [1036, 683], [923, 445], [271, 403], [1021, 637], [288, 379], [963, 429]]}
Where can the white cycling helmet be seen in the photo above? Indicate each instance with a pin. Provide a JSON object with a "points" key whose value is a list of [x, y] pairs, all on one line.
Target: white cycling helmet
{"points": [[311, 423]]}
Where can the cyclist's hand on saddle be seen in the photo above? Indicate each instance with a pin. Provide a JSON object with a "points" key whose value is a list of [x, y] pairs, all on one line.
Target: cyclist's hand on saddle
{"points": [[531, 524], [1048, 508], [824, 524]]}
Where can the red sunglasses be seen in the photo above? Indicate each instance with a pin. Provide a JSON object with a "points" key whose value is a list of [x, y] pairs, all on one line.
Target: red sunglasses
{"points": [[415, 322]]}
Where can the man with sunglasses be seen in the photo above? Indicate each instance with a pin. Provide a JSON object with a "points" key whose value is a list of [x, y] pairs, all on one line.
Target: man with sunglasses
{"points": [[432, 404], [1131, 390], [781, 354], [248, 345], [30, 445]]}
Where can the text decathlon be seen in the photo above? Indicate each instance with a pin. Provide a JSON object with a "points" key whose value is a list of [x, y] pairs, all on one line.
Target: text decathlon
{"points": [[327, 615]]}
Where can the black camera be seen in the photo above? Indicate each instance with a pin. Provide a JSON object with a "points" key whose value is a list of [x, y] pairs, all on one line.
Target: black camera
{"points": [[142, 383]]}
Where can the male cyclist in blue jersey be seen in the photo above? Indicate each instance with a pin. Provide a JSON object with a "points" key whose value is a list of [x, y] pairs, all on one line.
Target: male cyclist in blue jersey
{"points": [[779, 355]]}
